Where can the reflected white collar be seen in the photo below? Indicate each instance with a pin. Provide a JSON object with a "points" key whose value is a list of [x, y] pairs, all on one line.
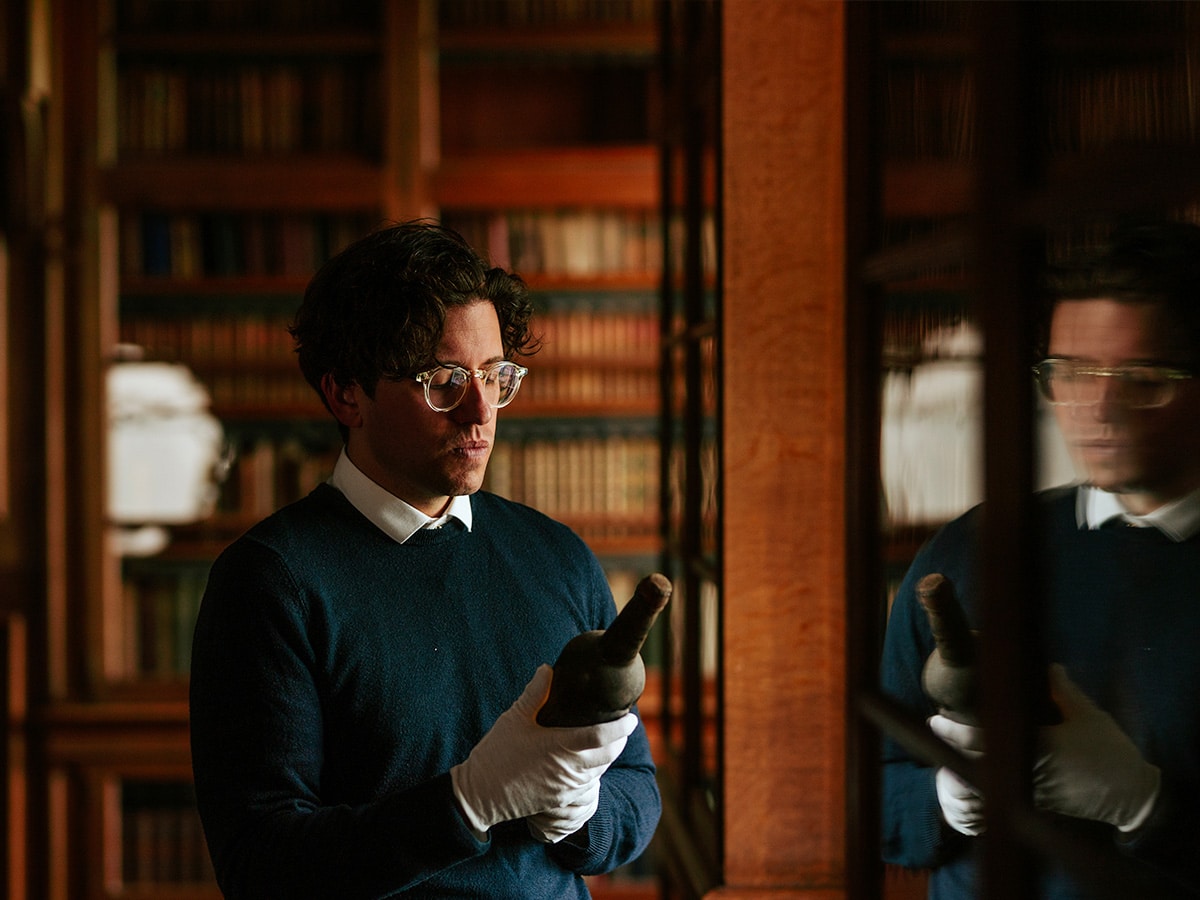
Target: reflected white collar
{"points": [[1178, 520]]}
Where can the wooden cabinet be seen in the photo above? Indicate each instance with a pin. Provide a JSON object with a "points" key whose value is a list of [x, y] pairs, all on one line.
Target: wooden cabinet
{"points": [[987, 140]]}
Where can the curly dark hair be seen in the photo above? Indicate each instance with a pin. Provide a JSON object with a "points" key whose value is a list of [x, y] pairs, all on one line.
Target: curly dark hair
{"points": [[377, 309], [1154, 262]]}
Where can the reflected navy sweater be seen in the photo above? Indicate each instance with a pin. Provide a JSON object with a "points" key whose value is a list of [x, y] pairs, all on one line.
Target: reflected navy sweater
{"points": [[337, 676], [1122, 615]]}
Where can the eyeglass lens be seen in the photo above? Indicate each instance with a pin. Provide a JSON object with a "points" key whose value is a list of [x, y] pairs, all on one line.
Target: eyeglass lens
{"points": [[1137, 387], [448, 386]]}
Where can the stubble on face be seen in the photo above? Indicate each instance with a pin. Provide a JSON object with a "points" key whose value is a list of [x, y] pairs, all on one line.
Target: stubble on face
{"points": [[426, 457]]}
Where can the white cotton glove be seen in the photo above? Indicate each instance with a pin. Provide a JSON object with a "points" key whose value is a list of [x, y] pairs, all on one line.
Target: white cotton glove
{"points": [[1087, 767], [521, 768], [553, 825], [962, 805]]}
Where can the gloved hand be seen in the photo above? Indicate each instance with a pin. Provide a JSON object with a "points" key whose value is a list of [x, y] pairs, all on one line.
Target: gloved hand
{"points": [[1087, 767], [553, 825], [521, 768], [962, 805]]}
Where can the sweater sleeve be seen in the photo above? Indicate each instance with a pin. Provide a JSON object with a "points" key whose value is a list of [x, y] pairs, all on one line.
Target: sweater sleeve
{"points": [[257, 739], [625, 820]]}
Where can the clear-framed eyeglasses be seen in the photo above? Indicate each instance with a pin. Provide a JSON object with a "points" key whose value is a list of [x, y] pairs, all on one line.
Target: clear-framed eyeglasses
{"points": [[446, 386], [1065, 382]]}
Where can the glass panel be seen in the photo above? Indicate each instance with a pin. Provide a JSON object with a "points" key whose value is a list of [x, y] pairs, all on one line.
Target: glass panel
{"points": [[692, 404], [1107, 89]]}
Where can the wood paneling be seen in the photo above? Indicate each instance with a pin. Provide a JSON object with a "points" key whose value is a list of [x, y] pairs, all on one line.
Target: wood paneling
{"points": [[783, 378]]}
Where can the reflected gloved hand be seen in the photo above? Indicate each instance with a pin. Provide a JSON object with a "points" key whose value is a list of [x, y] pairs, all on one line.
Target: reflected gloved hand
{"points": [[1087, 767], [521, 768], [962, 805]]}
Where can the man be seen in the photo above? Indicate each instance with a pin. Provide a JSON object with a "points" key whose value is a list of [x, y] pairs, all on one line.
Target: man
{"points": [[1122, 616], [358, 653]]}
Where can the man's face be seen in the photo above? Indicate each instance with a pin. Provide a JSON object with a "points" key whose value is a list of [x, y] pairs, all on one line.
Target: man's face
{"points": [[1150, 456], [426, 457]]}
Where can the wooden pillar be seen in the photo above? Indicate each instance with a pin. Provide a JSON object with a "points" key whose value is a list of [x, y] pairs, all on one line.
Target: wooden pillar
{"points": [[783, 377]]}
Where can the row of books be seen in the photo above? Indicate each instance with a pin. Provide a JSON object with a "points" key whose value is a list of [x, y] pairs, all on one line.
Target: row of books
{"points": [[1139, 103], [174, 15], [930, 109], [565, 242], [160, 605], [196, 245], [1123, 19], [572, 470], [589, 334], [475, 13], [315, 106], [235, 338], [551, 390], [607, 485], [271, 472], [624, 387], [557, 242], [578, 470], [245, 339], [162, 840]]}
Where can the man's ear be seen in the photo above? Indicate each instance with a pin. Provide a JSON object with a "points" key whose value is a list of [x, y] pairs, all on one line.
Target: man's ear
{"points": [[342, 400]]}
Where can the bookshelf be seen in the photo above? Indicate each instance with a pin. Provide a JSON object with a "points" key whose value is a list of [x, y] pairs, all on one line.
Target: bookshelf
{"points": [[208, 105], [212, 156], [547, 164]]}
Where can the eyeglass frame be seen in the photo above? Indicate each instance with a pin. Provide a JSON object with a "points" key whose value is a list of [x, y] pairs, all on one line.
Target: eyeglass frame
{"points": [[424, 378], [1170, 374]]}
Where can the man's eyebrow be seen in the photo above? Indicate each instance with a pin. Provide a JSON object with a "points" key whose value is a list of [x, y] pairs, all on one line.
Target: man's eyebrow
{"points": [[451, 362]]}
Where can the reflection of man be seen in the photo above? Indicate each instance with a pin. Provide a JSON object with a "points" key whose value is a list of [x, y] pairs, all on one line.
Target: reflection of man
{"points": [[1122, 564]]}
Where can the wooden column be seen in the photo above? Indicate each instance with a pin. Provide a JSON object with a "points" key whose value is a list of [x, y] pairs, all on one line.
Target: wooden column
{"points": [[783, 377]]}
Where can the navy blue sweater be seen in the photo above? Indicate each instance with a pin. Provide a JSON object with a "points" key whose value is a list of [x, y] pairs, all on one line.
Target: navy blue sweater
{"points": [[1123, 616], [337, 676]]}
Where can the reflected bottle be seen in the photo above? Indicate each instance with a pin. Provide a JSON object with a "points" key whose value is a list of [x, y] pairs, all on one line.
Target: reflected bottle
{"points": [[950, 677]]}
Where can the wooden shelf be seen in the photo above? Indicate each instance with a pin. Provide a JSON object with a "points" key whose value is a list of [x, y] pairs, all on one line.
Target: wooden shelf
{"points": [[213, 43], [160, 891], [609, 409], [605, 177], [927, 189], [252, 286], [615, 38], [283, 183]]}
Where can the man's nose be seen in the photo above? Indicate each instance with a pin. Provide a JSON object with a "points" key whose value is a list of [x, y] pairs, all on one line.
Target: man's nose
{"points": [[1108, 405], [474, 406]]}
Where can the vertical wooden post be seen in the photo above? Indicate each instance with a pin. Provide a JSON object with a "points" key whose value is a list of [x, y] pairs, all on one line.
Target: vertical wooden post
{"points": [[783, 378]]}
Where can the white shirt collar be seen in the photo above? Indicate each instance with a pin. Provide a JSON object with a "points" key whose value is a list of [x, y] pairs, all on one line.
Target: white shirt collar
{"points": [[391, 515], [1178, 520]]}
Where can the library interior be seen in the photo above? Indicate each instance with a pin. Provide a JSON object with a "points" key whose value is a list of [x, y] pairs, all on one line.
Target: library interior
{"points": [[780, 255]]}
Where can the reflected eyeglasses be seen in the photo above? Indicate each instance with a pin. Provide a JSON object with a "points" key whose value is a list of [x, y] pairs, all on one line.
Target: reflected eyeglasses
{"points": [[1065, 382]]}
